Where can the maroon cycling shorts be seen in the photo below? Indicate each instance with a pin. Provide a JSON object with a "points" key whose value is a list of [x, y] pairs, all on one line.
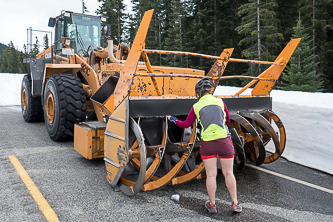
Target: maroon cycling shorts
{"points": [[223, 147]]}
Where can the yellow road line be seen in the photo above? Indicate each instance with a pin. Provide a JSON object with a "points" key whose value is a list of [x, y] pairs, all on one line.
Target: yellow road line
{"points": [[292, 179], [35, 193]]}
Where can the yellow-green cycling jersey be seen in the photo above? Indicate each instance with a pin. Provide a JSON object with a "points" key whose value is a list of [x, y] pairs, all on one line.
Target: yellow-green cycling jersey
{"points": [[211, 115]]}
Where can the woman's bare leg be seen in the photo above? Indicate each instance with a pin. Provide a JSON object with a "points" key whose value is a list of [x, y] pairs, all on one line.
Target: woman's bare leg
{"points": [[230, 181], [211, 172]]}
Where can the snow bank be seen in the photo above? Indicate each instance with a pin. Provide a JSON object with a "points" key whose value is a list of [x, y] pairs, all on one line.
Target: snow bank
{"points": [[307, 117], [10, 89], [315, 100]]}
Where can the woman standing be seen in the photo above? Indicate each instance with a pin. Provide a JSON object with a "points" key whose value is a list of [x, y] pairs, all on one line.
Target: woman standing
{"points": [[213, 117]]}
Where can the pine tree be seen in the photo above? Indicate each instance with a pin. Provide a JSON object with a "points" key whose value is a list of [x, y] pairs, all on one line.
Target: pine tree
{"points": [[285, 11], [226, 36], [115, 11], [156, 28], [24, 55], [259, 29], [300, 74], [10, 60], [198, 30], [2, 47], [174, 36], [84, 7], [46, 42], [323, 34], [35, 49]]}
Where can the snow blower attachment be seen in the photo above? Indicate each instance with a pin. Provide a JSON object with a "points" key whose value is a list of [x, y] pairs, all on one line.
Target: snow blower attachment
{"points": [[131, 100], [143, 151]]}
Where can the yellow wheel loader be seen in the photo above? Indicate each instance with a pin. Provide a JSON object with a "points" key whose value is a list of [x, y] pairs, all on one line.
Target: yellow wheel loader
{"points": [[131, 98]]}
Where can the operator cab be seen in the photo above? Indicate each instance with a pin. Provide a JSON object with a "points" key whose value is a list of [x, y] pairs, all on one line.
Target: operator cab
{"points": [[83, 30]]}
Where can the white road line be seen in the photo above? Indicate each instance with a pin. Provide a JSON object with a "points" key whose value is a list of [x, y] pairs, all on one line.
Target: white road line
{"points": [[292, 179]]}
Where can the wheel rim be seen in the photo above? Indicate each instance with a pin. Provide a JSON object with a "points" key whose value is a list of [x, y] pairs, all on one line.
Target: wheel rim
{"points": [[50, 108], [24, 99]]}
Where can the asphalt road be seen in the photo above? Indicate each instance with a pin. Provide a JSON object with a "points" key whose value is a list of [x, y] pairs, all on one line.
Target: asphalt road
{"points": [[77, 190]]}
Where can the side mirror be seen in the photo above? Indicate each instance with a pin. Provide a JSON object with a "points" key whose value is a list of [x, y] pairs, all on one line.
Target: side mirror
{"points": [[52, 22], [107, 31]]}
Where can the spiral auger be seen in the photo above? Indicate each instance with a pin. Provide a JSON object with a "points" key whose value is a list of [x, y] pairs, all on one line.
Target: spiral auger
{"points": [[145, 154], [193, 167], [240, 157], [176, 155], [253, 144], [256, 130], [157, 156], [133, 176], [280, 135]]}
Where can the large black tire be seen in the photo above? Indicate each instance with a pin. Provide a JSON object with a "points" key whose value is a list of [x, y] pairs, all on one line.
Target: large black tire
{"points": [[64, 105], [32, 110]]}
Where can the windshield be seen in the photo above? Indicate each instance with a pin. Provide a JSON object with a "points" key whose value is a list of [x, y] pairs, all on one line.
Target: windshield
{"points": [[83, 31]]}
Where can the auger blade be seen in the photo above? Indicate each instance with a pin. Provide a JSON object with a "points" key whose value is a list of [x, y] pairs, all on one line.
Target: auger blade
{"points": [[270, 115], [185, 148], [132, 185], [154, 131], [240, 158], [196, 171], [154, 145], [253, 144], [264, 128]]}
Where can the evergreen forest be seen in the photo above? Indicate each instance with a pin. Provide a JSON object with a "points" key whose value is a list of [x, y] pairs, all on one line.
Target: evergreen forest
{"points": [[256, 29]]}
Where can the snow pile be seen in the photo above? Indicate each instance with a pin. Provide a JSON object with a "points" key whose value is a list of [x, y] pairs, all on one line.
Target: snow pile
{"points": [[10, 89], [316, 100], [307, 118]]}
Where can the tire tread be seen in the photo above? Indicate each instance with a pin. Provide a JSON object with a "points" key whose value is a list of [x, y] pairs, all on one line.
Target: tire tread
{"points": [[72, 102], [34, 107]]}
